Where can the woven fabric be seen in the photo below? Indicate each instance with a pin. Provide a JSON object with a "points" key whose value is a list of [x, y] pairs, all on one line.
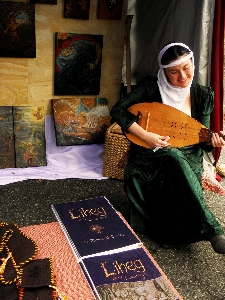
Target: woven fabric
{"points": [[69, 276]]}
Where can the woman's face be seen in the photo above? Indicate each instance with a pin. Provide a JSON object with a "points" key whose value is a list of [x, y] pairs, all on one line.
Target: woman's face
{"points": [[180, 75]]}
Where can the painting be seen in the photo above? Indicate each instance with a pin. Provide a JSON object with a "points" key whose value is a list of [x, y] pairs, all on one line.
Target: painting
{"points": [[54, 2], [78, 60], [80, 121], [110, 9], [7, 153], [17, 30], [29, 132], [77, 9]]}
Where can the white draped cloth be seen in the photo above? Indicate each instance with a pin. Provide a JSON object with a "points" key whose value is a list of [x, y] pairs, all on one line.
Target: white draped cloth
{"points": [[80, 161]]}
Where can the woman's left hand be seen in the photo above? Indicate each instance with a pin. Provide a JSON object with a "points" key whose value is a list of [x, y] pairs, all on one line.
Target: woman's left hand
{"points": [[217, 140]]}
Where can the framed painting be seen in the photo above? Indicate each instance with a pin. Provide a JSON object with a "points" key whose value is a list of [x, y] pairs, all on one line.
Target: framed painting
{"points": [[110, 9], [78, 59], [7, 153], [29, 132], [17, 30], [77, 9], [80, 121]]}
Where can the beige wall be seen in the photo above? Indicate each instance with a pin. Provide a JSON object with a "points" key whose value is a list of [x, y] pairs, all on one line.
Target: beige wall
{"points": [[30, 81]]}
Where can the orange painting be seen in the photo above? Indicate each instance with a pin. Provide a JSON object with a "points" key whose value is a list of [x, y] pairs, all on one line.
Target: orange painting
{"points": [[80, 121]]}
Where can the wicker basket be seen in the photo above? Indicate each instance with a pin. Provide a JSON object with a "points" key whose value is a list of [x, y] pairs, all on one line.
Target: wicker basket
{"points": [[220, 169], [116, 144]]}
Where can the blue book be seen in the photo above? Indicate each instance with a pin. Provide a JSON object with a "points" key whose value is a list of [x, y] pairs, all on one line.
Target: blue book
{"points": [[130, 274], [93, 226]]}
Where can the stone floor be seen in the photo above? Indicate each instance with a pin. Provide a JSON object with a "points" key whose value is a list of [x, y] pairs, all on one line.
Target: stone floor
{"points": [[196, 271]]}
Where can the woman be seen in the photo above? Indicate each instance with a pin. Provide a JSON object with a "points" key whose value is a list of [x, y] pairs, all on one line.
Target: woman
{"points": [[164, 186]]}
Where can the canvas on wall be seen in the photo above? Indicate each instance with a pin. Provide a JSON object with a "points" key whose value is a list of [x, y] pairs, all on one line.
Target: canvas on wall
{"points": [[110, 9], [17, 30], [80, 121], [78, 59], [29, 131], [7, 153], [77, 9]]}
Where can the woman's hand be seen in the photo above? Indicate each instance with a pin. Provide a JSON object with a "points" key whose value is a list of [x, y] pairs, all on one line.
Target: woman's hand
{"points": [[217, 140], [156, 140]]}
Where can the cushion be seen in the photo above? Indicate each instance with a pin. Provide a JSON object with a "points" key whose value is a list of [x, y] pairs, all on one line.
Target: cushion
{"points": [[209, 181]]}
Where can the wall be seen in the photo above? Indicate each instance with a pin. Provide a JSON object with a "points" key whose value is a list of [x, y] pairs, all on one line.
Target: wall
{"points": [[30, 81]]}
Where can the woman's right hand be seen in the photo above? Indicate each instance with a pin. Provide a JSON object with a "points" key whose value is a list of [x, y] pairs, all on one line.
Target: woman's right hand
{"points": [[156, 140], [152, 139]]}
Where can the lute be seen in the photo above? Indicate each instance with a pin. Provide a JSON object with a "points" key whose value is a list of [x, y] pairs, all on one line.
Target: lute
{"points": [[169, 121]]}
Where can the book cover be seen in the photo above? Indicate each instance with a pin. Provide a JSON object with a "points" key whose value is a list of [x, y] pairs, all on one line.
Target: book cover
{"points": [[126, 275], [93, 226]]}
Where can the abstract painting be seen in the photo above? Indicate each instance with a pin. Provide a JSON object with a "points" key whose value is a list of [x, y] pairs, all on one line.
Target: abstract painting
{"points": [[78, 60], [17, 30], [7, 153], [77, 9], [29, 132], [80, 121], [110, 9]]}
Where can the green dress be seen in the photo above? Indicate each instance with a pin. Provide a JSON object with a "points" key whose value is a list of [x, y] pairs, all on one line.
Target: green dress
{"points": [[164, 187]]}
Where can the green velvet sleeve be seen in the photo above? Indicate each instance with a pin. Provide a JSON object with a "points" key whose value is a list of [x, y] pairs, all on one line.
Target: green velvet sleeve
{"points": [[206, 102], [207, 106], [144, 92]]}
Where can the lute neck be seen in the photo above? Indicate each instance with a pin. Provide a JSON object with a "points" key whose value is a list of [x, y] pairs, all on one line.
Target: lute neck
{"points": [[205, 135]]}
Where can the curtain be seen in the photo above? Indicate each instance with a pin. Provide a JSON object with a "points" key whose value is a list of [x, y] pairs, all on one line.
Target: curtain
{"points": [[217, 70], [156, 23]]}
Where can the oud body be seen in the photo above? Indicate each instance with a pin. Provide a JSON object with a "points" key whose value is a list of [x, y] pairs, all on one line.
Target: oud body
{"points": [[168, 121]]}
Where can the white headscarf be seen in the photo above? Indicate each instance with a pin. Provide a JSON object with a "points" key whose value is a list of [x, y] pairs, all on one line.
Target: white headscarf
{"points": [[173, 95]]}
